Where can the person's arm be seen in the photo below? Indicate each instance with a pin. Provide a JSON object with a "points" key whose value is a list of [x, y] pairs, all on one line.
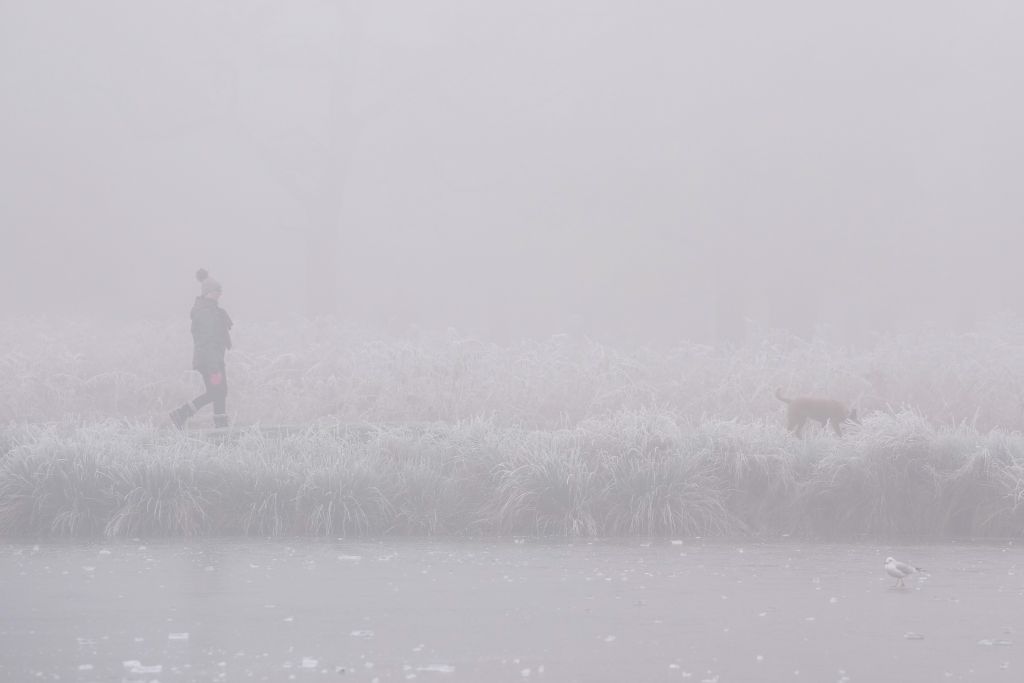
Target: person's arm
{"points": [[228, 324]]}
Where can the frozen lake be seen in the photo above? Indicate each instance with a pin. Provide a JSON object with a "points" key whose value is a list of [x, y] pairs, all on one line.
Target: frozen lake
{"points": [[439, 610]]}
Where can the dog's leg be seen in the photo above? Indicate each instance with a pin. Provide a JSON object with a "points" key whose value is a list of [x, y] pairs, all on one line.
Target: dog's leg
{"points": [[793, 423]]}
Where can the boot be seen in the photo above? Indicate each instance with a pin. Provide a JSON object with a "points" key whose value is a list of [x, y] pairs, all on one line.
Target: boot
{"points": [[179, 416], [220, 420]]}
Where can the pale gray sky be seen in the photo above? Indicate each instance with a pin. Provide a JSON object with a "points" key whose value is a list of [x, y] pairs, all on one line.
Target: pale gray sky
{"points": [[505, 166]]}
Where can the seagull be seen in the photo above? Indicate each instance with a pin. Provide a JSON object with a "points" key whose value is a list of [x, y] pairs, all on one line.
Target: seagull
{"points": [[899, 570]]}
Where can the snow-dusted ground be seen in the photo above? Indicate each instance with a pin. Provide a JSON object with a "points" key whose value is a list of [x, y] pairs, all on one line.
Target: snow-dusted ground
{"points": [[462, 610]]}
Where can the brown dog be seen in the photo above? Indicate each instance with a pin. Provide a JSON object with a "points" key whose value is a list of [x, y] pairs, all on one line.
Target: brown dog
{"points": [[827, 411]]}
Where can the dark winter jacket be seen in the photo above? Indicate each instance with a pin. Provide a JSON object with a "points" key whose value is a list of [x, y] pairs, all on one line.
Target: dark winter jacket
{"points": [[211, 334]]}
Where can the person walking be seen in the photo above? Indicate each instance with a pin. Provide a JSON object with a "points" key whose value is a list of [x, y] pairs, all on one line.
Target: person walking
{"points": [[211, 337]]}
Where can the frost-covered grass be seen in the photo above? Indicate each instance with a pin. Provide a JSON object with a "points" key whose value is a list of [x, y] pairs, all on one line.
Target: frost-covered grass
{"points": [[559, 436], [635, 473], [302, 371]]}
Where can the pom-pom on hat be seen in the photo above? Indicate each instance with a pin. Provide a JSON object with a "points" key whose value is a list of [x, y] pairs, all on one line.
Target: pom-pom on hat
{"points": [[207, 284]]}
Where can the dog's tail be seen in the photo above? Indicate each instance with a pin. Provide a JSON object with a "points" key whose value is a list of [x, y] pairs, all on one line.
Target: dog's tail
{"points": [[778, 395]]}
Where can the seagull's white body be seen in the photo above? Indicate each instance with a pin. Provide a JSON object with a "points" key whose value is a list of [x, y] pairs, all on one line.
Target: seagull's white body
{"points": [[899, 570]]}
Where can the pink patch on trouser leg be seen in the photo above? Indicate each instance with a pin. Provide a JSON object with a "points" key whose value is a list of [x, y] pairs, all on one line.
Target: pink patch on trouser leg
{"points": [[216, 378]]}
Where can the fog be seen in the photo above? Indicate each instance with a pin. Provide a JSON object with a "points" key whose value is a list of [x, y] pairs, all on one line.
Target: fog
{"points": [[648, 171]]}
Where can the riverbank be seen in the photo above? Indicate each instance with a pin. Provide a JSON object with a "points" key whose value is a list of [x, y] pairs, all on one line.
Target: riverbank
{"points": [[637, 473]]}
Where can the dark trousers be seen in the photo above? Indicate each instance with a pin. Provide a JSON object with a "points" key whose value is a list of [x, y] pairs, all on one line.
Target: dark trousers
{"points": [[216, 382]]}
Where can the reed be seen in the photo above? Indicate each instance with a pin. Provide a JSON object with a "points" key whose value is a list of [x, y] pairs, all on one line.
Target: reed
{"points": [[644, 472]]}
